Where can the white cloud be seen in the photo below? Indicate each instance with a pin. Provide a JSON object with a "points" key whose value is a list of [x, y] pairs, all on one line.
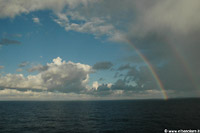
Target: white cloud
{"points": [[36, 20], [60, 75], [94, 22], [117, 92], [109, 85], [13, 94], [94, 26], [13, 8], [95, 85]]}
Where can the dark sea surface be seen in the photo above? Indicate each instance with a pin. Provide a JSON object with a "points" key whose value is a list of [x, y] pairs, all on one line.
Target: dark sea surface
{"points": [[134, 116]]}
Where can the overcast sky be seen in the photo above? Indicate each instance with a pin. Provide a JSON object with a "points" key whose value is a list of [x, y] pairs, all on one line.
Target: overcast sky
{"points": [[99, 49]]}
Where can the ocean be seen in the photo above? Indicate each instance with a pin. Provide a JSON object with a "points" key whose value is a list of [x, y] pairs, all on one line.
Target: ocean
{"points": [[134, 116]]}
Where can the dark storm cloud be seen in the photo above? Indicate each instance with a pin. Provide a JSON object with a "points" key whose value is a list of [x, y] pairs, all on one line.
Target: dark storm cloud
{"points": [[167, 36], [119, 88], [134, 81], [122, 85], [102, 65], [124, 67], [6, 41], [118, 75], [172, 76], [140, 80]]}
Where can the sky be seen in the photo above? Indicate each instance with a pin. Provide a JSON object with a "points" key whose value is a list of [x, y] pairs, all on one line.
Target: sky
{"points": [[99, 49]]}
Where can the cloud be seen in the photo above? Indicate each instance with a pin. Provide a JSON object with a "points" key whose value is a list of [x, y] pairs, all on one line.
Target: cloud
{"points": [[60, 75], [92, 21], [94, 26], [176, 83], [23, 64], [16, 35], [169, 16], [13, 35], [102, 65], [124, 67], [6, 41], [38, 68], [162, 31], [101, 79], [109, 88], [13, 94], [13, 8], [36, 20], [60, 78], [136, 18], [165, 32], [19, 70], [1, 67], [121, 89], [95, 85], [97, 22]]}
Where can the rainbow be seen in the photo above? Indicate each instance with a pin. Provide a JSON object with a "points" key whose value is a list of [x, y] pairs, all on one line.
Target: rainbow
{"points": [[152, 71]]}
